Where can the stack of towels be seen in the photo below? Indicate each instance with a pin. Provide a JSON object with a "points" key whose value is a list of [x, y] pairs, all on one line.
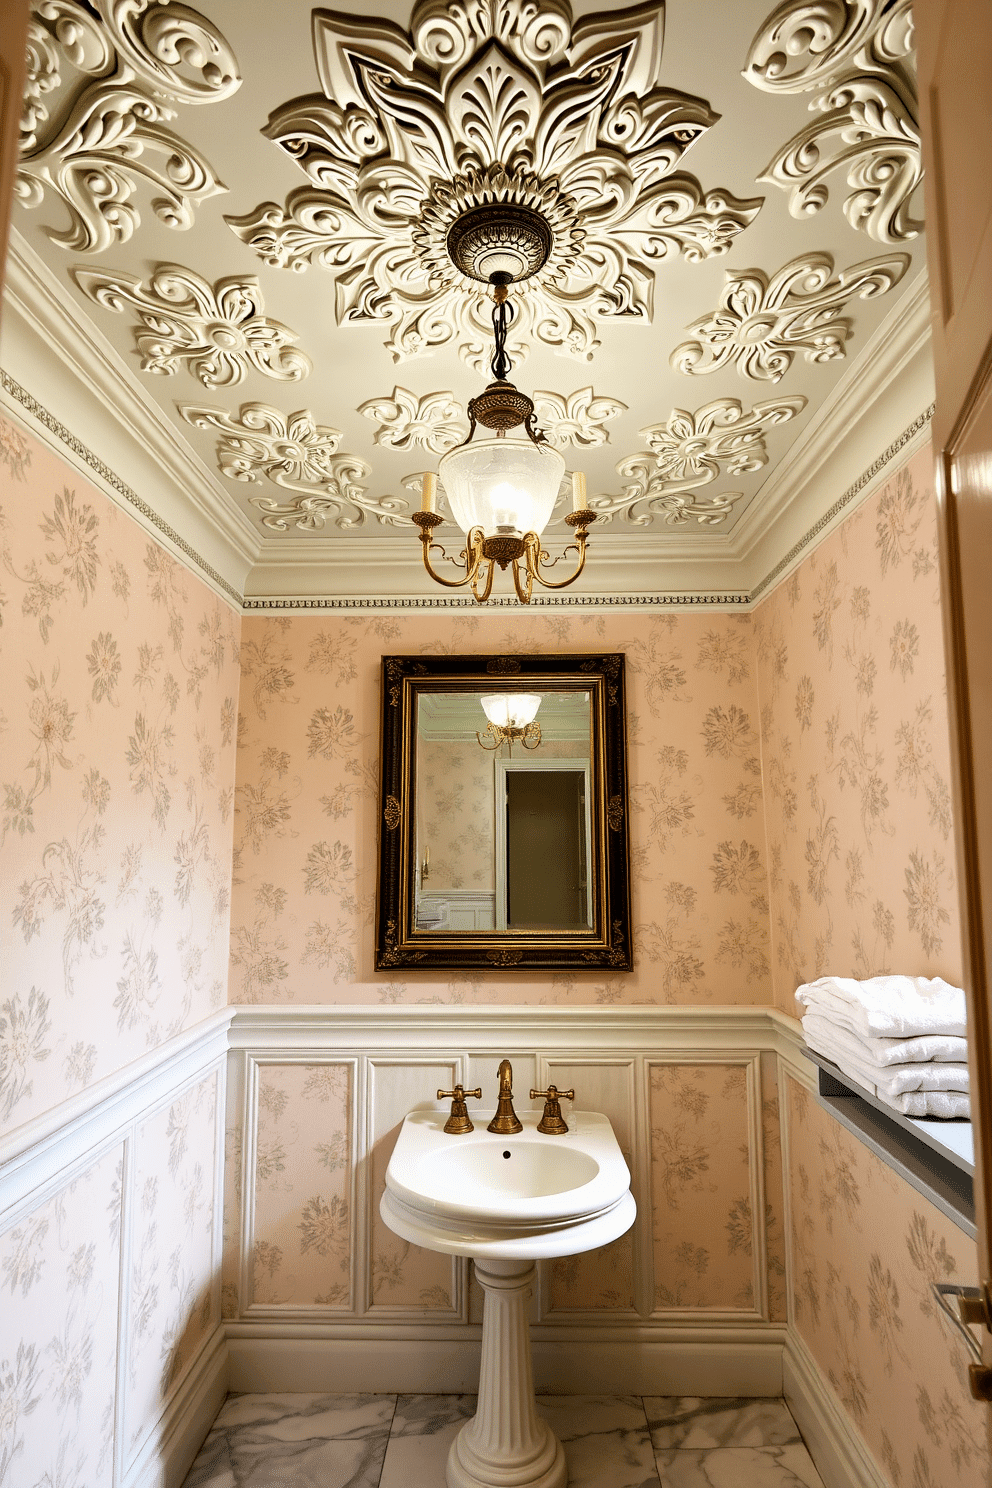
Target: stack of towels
{"points": [[903, 1037]]}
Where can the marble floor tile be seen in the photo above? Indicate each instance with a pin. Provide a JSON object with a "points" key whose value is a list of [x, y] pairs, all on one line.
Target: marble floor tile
{"points": [[606, 1439], [300, 1441], [423, 1429], [788, 1466], [687, 1421]]}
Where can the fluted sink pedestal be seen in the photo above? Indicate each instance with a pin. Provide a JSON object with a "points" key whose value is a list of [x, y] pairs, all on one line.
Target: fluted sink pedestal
{"points": [[506, 1444]]}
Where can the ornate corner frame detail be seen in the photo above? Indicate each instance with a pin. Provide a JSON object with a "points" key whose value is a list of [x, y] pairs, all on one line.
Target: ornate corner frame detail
{"points": [[762, 322], [398, 940], [296, 454], [856, 57], [109, 132], [690, 450], [218, 332]]}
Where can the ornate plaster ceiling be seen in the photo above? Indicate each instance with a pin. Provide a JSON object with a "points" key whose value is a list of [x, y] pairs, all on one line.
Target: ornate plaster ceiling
{"points": [[245, 208]]}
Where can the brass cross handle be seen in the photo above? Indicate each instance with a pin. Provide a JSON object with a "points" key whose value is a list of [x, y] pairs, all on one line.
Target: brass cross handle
{"points": [[458, 1122], [552, 1122]]}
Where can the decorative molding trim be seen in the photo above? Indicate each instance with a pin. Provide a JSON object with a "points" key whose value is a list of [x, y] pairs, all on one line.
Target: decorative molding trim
{"points": [[550, 601], [94, 1116], [762, 321], [857, 59], [168, 1452], [109, 131], [218, 332], [687, 1361], [896, 448], [297, 454], [110, 477]]}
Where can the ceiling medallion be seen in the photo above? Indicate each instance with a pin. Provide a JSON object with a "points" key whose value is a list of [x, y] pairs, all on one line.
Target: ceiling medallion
{"points": [[762, 322], [857, 58], [297, 454], [219, 332], [109, 133], [485, 105]]}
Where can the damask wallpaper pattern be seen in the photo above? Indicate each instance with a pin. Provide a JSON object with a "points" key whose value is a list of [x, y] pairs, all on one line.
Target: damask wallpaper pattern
{"points": [[119, 699], [855, 749], [305, 812]]}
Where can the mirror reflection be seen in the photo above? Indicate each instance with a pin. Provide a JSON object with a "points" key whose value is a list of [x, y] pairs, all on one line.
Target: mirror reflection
{"points": [[503, 819]]}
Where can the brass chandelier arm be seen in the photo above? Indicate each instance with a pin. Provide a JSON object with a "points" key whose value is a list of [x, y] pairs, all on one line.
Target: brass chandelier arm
{"points": [[471, 554], [534, 555]]}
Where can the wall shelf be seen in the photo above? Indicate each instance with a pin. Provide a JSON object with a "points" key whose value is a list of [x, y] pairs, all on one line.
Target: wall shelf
{"points": [[935, 1157]]}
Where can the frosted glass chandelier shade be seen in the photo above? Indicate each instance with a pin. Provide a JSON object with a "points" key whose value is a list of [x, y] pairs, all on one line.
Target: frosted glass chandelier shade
{"points": [[508, 487], [511, 709]]}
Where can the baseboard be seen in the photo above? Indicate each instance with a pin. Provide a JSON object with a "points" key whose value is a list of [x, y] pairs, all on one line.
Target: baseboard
{"points": [[451, 1366], [166, 1455], [842, 1459]]}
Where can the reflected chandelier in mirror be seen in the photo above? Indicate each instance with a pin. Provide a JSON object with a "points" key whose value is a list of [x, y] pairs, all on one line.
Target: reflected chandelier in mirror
{"points": [[497, 857]]}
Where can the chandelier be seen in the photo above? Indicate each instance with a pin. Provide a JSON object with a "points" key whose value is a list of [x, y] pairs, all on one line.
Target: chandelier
{"points": [[502, 489], [511, 719]]}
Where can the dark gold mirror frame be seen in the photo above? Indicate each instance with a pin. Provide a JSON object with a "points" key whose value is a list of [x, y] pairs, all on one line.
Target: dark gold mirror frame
{"points": [[398, 944]]}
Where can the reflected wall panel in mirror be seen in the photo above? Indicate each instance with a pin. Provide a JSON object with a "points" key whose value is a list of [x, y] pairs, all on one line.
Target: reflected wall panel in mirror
{"points": [[503, 822]]}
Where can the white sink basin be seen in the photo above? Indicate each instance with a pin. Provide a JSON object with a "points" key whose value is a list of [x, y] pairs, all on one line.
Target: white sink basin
{"points": [[522, 1197]]}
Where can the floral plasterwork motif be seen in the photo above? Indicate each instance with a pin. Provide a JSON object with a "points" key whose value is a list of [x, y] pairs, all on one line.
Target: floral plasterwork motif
{"points": [[856, 57], [435, 422], [689, 450], [481, 103], [762, 321], [111, 133], [219, 332], [576, 418], [297, 454]]}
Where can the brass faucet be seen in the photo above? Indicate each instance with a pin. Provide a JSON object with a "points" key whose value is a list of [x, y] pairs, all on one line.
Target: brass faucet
{"points": [[459, 1121], [505, 1121], [552, 1123]]}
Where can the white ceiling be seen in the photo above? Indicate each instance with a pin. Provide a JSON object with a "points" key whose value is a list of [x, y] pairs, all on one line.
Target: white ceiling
{"points": [[817, 426]]}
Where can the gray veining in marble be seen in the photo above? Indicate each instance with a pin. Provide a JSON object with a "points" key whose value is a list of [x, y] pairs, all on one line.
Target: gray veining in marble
{"points": [[788, 1466], [423, 1429], [300, 1441], [687, 1421], [606, 1439], [402, 1441]]}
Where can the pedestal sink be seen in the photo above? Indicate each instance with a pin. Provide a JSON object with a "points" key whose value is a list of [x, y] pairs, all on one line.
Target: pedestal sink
{"points": [[507, 1202]]}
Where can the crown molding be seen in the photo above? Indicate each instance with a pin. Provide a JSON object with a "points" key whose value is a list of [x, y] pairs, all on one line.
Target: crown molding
{"points": [[141, 460], [158, 475], [873, 406]]}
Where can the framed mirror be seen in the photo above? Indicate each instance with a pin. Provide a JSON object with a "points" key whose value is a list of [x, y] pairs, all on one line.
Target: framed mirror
{"points": [[503, 813]]}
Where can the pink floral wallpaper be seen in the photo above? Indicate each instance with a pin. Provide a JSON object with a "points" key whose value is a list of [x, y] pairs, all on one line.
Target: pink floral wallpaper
{"points": [[865, 1249], [855, 750], [701, 1161], [307, 787], [59, 1297], [119, 700]]}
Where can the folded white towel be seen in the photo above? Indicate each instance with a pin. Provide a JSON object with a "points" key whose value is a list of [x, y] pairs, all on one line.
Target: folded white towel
{"points": [[891, 1081], [883, 1054], [943, 1103], [885, 1051], [889, 1006]]}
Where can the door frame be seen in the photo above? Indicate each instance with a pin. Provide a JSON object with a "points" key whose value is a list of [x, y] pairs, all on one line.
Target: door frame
{"points": [[503, 766]]}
